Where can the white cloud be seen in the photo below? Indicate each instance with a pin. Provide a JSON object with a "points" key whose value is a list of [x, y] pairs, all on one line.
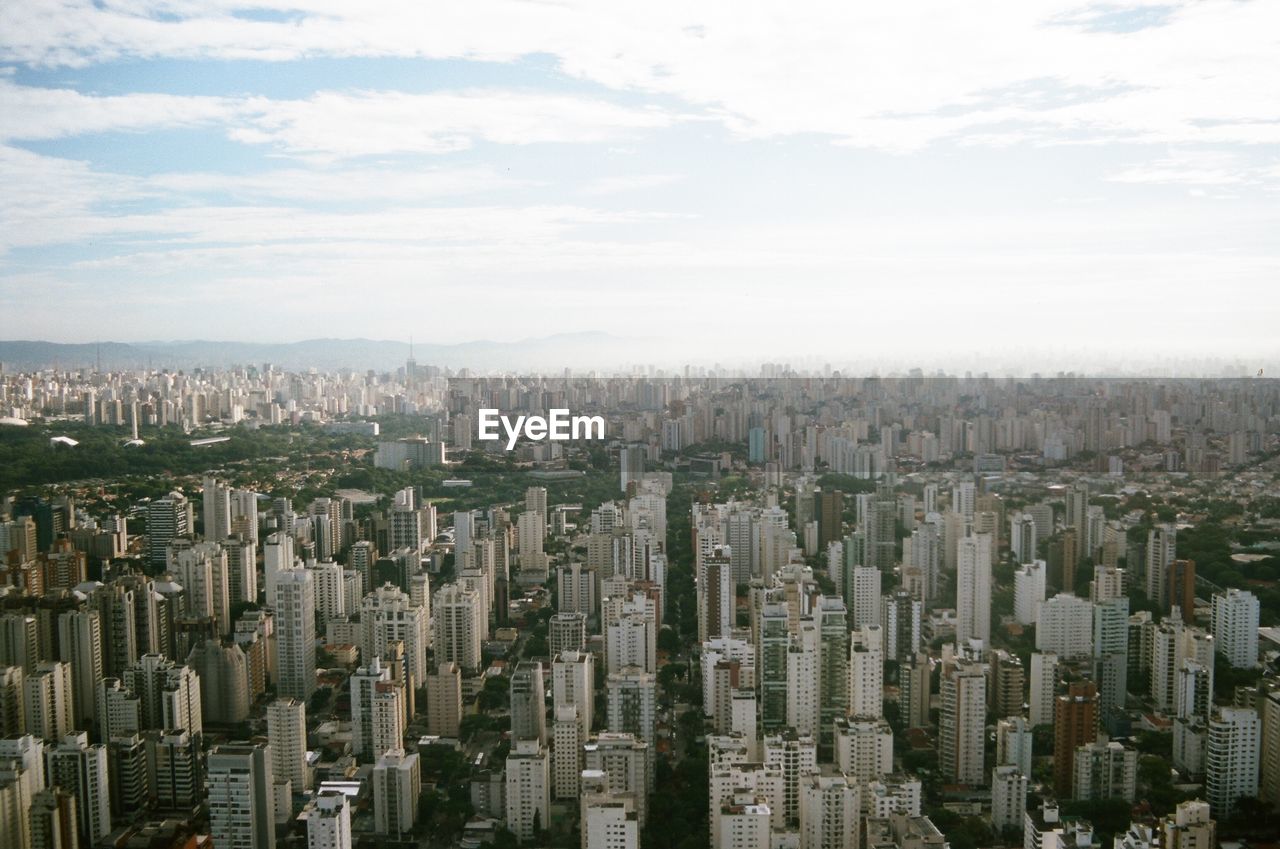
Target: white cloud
{"points": [[627, 183], [333, 125], [893, 76]]}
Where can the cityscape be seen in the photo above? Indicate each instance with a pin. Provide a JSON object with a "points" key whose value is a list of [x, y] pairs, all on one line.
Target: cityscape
{"points": [[561, 424], [254, 607]]}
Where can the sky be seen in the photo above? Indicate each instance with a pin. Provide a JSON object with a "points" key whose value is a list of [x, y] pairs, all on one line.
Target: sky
{"points": [[840, 180]]}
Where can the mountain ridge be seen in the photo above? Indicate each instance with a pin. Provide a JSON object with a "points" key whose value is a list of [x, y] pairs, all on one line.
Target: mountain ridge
{"points": [[586, 349]]}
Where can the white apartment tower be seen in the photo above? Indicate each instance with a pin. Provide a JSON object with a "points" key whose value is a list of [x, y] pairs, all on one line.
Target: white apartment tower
{"points": [[973, 588], [457, 625], [963, 723], [295, 630], [287, 734], [241, 802], [329, 821], [1231, 759], [1235, 627], [528, 802], [830, 811]]}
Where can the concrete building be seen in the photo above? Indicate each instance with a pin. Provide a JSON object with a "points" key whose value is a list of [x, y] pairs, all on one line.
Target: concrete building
{"points": [[528, 798], [444, 700], [1235, 627], [397, 784], [287, 734], [241, 802]]}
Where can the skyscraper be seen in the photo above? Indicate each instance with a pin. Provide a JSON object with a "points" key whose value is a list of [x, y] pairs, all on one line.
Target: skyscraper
{"points": [[168, 519], [528, 703], [241, 801], [1235, 627], [833, 664], [1231, 759], [528, 802], [964, 711], [81, 769], [457, 626], [1075, 723], [287, 734], [444, 700], [80, 647], [830, 811], [329, 821], [973, 588], [295, 628]]}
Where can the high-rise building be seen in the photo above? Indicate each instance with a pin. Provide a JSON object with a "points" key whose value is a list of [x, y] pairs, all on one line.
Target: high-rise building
{"points": [[1044, 684], [1075, 723], [287, 734], [444, 700], [964, 712], [169, 694], [866, 672], [328, 818], [1008, 680], [1029, 592], [1235, 627], [623, 764], [1161, 551], [80, 647], [457, 623], [528, 703], [567, 632], [1105, 771], [1111, 652], [1013, 743], [81, 770], [828, 509], [1231, 759], [364, 684], [277, 557], [397, 784], [1008, 797], [900, 614], [864, 747], [168, 518], [775, 641], [632, 640], [241, 801], [632, 704], [1189, 827], [830, 811], [295, 630], [1065, 627], [386, 615], [1022, 538], [973, 588], [793, 755], [833, 664], [608, 820], [715, 592], [49, 701], [528, 801], [216, 509], [19, 641]]}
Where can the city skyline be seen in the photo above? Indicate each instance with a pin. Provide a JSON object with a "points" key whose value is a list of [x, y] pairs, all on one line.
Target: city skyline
{"points": [[1043, 178]]}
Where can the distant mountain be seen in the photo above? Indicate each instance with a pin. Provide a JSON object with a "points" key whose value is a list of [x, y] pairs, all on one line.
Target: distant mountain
{"points": [[591, 350]]}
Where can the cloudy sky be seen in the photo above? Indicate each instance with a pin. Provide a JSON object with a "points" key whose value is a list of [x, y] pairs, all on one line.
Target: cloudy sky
{"points": [[831, 178]]}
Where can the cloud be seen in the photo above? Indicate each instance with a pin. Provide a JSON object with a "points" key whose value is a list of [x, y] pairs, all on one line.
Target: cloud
{"points": [[890, 77], [338, 125], [627, 183], [333, 125]]}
